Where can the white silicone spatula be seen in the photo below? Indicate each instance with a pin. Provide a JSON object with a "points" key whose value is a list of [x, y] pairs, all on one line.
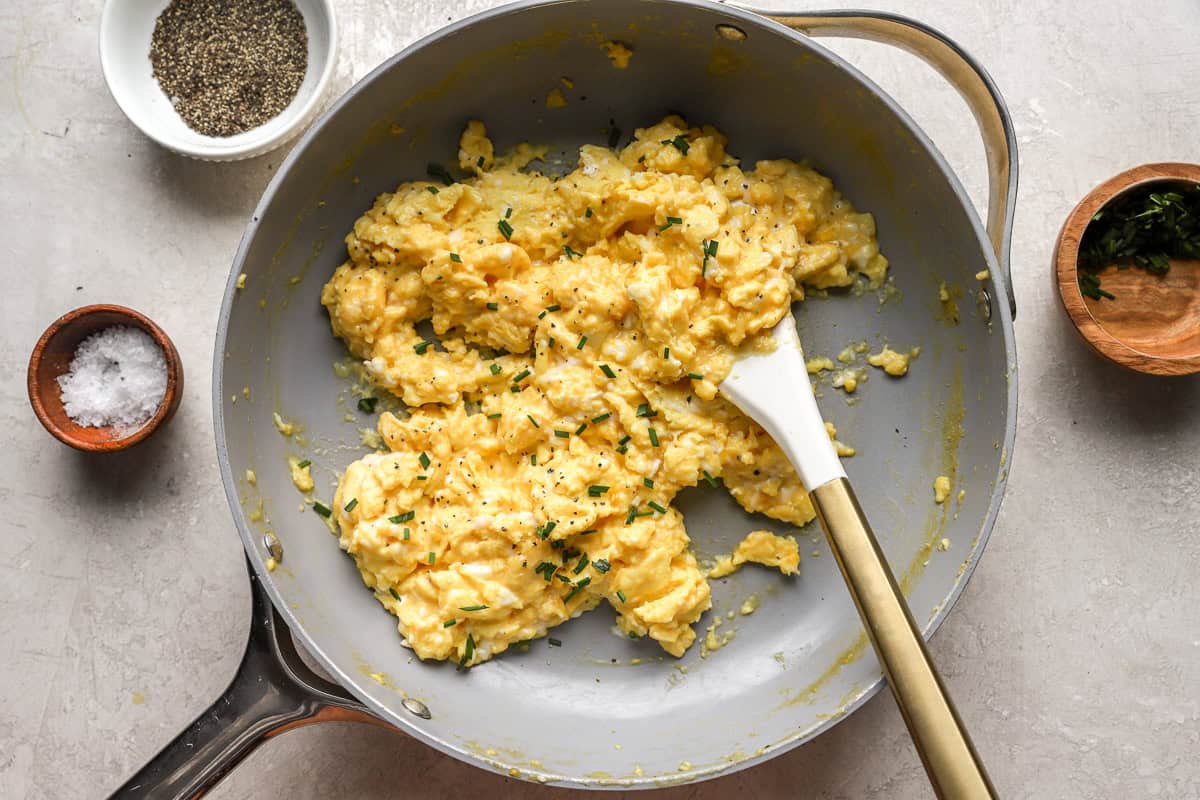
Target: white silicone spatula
{"points": [[774, 390]]}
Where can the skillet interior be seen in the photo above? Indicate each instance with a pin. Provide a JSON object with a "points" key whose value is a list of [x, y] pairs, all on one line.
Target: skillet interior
{"points": [[559, 714]]}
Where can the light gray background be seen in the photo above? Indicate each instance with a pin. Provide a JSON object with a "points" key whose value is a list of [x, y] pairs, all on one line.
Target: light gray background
{"points": [[1074, 653]]}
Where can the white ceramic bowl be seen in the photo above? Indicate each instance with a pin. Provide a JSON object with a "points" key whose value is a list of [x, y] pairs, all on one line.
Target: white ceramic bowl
{"points": [[125, 30]]}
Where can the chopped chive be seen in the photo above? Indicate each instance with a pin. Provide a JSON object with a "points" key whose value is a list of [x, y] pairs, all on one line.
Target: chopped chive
{"points": [[546, 569], [581, 343], [643, 410], [533, 459], [473, 608], [709, 248], [522, 375], [479, 161], [493, 306], [597, 490], [432, 557], [622, 449], [562, 434], [505, 229], [554, 642], [495, 368], [649, 484], [470, 650], [367, 404], [322, 509], [657, 507], [581, 429], [553, 308], [631, 515], [534, 421], [620, 595], [439, 172], [578, 588], [666, 352], [633, 635], [614, 136], [497, 415], [424, 459], [422, 477], [670, 221], [601, 565], [624, 439], [450, 623], [456, 258], [432, 189], [645, 514], [407, 516], [571, 253], [394, 593], [421, 347], [607, 370], [696, 376], [515, 389], [588, 213], [680, 142], [396, 520], [353, 504], [407, 533], [582, 565], [653, 437], [601, 418], [304, 463], [508, 213], [709, 479]]}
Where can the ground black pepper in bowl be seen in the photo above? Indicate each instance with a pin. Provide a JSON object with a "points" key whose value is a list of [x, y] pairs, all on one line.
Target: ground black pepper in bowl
{"points": [[229, 65]]}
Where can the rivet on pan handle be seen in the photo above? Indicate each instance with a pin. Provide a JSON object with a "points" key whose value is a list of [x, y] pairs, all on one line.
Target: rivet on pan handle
{"points": [[971, 81], [272, 692]]}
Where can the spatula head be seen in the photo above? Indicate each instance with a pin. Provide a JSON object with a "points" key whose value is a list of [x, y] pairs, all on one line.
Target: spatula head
{"points": [[773, 389]]}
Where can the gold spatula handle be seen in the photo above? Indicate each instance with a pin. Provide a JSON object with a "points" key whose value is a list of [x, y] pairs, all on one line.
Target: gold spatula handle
{"points": [[950, 759]]}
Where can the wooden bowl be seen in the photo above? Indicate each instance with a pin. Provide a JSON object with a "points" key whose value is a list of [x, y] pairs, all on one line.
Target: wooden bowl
{"points": [[1153, 325], [51, 358]]}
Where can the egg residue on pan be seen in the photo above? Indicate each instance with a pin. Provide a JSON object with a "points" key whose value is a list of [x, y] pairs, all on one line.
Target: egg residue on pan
{"points": [[584, 324]]}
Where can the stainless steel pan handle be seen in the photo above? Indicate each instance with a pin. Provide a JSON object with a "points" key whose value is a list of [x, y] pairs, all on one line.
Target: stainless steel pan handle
{"points": [[272, 692], [971, 81]]}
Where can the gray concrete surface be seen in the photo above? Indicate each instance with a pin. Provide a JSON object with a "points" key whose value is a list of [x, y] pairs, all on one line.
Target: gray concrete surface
{"points": [[1074, 653]]}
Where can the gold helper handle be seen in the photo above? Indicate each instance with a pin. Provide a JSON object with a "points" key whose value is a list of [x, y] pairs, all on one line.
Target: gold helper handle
{"points": [[954, 767]]}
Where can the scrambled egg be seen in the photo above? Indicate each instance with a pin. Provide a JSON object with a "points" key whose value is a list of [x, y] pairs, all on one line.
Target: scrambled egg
{"points": [[301, 472], [941, 489], [760, 547], [891, 362], [618, 54], [584, 324]]}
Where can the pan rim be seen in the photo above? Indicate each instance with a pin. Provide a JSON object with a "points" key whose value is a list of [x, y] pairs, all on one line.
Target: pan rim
{"points": [[346, 678]]}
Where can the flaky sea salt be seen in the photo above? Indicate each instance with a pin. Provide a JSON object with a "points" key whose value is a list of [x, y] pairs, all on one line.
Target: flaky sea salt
{"points": [[118, 377]]}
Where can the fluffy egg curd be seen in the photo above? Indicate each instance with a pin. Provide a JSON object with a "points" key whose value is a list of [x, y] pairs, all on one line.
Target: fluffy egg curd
{"points": [[584, 324]]}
